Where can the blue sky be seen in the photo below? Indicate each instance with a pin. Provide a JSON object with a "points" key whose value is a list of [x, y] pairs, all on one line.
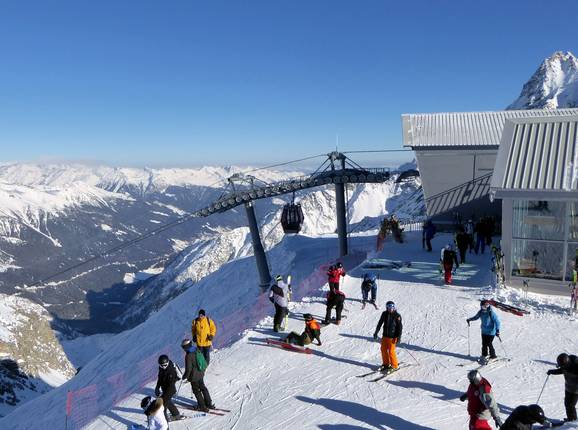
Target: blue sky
{"points": [[255, 81]]}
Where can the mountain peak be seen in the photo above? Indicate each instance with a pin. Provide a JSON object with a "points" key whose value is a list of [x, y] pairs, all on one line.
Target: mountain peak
{"points": [[554, 85]]}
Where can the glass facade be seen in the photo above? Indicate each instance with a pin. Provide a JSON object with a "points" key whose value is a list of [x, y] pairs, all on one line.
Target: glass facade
{"points": [[541, 233]]}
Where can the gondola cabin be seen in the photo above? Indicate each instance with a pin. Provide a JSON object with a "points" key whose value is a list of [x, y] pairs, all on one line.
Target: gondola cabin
{"points": [[292, 218]]}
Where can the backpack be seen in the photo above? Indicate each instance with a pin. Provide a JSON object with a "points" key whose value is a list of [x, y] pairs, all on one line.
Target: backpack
{"points": [[201, 362]]}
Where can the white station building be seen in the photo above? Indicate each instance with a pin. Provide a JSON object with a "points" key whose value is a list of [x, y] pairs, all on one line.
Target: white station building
{"points": [[519, 166]]}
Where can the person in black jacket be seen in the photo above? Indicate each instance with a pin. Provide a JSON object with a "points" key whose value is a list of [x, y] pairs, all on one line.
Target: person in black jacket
{"points": [[166, 381], [523, 417], [195, 376], [392, 328], [462, 242], [568, 366], [335, 299]]}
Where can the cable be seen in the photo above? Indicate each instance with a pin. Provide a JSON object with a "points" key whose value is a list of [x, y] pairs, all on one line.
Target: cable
{"points": [[284, 164], [377, 150]]}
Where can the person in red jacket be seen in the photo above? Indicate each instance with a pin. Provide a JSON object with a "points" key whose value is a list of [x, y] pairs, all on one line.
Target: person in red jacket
{"points": [[334, 275], [481, 403]]}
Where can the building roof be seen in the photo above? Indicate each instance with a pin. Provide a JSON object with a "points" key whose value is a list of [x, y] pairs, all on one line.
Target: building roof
{"points": [[464, 129], [538, 159]]}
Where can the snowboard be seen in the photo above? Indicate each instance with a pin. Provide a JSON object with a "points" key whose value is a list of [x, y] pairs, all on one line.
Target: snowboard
{"points": [[289, 346]]}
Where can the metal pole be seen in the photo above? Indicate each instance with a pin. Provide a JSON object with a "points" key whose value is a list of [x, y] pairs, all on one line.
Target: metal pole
{"points": [[258, 250], [341, 220], [543, 386]]}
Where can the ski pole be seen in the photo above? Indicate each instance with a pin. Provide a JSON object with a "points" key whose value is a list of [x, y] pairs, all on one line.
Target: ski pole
{"points": [[469, 354], [502, 343], [412, 356], [543, 386]]}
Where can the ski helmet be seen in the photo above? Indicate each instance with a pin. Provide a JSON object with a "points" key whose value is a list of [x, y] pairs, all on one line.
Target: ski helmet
{"points": [[474, 377], [484, 304], [163, 360], [202, 312], [390, 305], [307, 317], [278, 278], [339, 265], [536, 413], [145, 402], [563, 360], [186, 343]]}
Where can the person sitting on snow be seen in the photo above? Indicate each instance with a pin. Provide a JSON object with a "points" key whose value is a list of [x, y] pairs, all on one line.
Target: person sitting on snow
{"points": [[523, 417], [312, 331]]}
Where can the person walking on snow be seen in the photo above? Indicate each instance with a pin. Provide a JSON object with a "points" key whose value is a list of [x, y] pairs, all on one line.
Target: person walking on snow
{"points": [[334, 275], [523, 417], [312, 331], [469, 229], [368, 285], [153, 409], [428, 233], [490, 326], [165, 388], [480, 230], [568, 366], [481, 403], [204, 330], [448, 258], [462, 242], [279, 296], [335, 299], [392, 328], [194, 373]]}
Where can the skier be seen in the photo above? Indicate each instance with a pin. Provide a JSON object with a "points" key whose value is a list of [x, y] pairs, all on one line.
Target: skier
{"points": [[392, 328], [279, 296], [368, 285], [153, 409], [490, 326], [481, 403], [167, 377], [312, 331], [194, 373], [335, 299], [204, 330], [568, 366], [428, 233], [469, 229], [447, 259], [334, 275], [463, 242], [523, 417]]}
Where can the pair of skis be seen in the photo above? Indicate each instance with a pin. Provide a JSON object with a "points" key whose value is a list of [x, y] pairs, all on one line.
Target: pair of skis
{"points": [[289, 346], [382, 375], [508, 308], [364, 303], [216, 411]]}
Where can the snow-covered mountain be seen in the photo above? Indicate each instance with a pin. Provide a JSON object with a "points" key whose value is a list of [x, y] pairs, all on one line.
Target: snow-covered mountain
{"points": [[31, 358], [554, 85]]}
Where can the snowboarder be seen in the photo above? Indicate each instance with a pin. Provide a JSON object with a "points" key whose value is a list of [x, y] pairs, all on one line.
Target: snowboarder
{"points": [[194, 373], [335, 299], [392, 328], [154, 411], [428, 233], [312, 331], [523, 417], [481, 403], [334, 275], [490, 326], [368, 285], [165, 388], [568, 366], [448, 258], [204, 331], [462, 242], [279, 296]]}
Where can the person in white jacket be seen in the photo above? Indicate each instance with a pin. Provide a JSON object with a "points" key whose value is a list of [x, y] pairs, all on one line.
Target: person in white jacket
{"points": [[155, 412], [279, 296]]}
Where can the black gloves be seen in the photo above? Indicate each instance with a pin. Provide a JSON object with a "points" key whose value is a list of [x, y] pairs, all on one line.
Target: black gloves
{"points": [[183, 377], [468, 321], [550, 372], [209, 337], [498, 333], [498, 422], [375, 335], [398, 340], [157, 392], [463, 397]]}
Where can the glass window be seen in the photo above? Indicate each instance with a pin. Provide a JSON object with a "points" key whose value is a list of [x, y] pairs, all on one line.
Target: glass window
{"points": [[538, 219], [572, 259], [573, 227], [536, 259]]}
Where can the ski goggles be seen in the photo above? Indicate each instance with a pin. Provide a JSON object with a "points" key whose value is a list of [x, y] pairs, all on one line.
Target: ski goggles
{"points": [[164, 365], [390, 306]]}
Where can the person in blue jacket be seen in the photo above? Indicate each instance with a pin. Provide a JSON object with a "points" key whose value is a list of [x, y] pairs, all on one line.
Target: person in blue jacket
{"points": [[490, 325]]}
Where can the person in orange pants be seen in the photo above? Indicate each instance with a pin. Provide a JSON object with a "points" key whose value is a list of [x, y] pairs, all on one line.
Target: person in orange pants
{"points": [[392, 328]]}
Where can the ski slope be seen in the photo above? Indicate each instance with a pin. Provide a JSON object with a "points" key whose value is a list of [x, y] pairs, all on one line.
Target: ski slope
{"points": [[269, 388]]}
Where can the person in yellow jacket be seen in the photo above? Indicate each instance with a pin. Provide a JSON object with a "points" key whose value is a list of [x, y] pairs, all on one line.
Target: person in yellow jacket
{"points": [[204, 330]]}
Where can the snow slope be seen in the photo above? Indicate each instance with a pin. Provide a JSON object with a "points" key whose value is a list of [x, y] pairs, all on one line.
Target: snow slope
{"points": [[554, 85], [268, 388]]}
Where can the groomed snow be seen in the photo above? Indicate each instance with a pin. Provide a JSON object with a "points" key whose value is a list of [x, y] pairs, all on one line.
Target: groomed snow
{"points": [[268, 388]]}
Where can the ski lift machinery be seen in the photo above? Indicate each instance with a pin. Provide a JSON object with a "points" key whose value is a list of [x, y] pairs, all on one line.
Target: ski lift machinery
{"points": [[292, 217]]}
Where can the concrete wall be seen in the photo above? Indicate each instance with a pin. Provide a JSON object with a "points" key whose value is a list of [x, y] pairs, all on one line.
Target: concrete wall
{"points": [[457, 179]]}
